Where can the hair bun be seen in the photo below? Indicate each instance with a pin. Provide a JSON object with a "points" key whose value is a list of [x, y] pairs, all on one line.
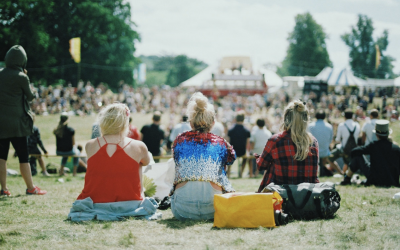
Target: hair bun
{"points": [[201, 104]]}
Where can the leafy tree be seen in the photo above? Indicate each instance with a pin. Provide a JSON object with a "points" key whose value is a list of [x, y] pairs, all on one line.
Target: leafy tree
{"points": [[307, 54], [44, 28], [363, 51], [170, 70]]}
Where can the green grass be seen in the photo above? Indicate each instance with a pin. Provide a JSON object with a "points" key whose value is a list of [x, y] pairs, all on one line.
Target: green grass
{"points": [[368, 217]]}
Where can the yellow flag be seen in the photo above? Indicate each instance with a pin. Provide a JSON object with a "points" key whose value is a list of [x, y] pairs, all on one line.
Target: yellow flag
{"points": [[378, 57], [75, 49]]}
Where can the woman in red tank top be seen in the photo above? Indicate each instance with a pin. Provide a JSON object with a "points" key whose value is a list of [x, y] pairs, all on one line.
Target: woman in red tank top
{"points": [[114, 166]]}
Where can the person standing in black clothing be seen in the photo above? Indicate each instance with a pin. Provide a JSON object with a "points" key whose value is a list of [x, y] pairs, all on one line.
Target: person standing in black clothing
{"points": [[152, 135], [384, 169], [239, 138], [33, 141]]}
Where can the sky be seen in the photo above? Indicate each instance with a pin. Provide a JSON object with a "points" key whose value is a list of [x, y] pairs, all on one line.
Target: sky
{"points": [[210, 29]]}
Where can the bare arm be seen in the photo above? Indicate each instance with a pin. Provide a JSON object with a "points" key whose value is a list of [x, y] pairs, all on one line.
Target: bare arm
{"points": [[145, 153], [248, 144], [251, 146], [73, 140], [363, 138]]}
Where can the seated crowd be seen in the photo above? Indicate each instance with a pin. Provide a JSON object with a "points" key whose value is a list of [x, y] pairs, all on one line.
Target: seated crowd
{"points": [[113, 186]]}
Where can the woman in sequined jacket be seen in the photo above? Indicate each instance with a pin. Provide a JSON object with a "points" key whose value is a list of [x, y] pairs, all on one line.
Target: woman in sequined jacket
{"points": [[201, 159]]}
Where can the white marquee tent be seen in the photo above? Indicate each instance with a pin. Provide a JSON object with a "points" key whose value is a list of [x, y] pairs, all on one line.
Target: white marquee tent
{"points": [[200, 78], [344, 77]]}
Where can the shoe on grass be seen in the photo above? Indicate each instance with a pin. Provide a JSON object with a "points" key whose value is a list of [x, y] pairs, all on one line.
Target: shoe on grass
{"points": [[45, 173], [5, 193], [346, 181], [36, 191]]}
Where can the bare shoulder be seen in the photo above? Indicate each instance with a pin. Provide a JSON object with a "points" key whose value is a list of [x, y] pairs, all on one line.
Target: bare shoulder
{"points": [[135, 144], [91, 147]]}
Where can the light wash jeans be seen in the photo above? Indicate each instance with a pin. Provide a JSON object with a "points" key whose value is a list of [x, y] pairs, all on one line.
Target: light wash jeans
{"points": [[194, 201]]}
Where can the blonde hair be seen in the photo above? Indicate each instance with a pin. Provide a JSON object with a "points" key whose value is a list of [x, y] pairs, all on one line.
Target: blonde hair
{"points": [[200, 112], [114, 119], [296, 119]]}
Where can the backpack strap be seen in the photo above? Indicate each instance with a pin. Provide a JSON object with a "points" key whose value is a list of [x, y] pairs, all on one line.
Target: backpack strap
{"points": [[317, 203], [306, 198], [351, 132]]}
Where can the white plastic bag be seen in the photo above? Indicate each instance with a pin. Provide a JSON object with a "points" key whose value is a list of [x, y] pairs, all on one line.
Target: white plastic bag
{"points": [[163, 175]]}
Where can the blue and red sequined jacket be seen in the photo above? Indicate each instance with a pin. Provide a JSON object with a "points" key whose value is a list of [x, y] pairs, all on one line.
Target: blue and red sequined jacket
{"points": [[202, 157]]}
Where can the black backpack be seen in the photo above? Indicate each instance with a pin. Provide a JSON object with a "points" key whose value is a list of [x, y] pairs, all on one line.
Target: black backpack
{"points": [[351, 142], [308, 200]]}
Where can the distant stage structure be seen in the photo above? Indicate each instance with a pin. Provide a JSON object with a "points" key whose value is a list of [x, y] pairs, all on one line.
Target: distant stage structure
{"points": [[234, 74]]}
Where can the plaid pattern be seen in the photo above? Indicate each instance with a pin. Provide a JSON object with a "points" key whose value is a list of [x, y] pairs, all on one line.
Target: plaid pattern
{"points": [[281, 167]]}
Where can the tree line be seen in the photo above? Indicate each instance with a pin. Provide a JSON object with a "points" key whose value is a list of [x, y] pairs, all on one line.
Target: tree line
{"points": [[44, 28], [170, 70], [307, 53]]}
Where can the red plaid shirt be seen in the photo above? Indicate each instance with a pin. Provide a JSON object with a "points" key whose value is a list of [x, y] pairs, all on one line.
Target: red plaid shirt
{"points": [[281, 167]]}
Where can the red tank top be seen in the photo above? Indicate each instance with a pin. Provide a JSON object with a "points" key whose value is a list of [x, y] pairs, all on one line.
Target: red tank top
{"points": [[111, 179]]}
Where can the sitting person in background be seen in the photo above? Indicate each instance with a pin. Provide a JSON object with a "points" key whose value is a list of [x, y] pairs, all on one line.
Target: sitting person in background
{"points": [[290, 157], [33, 141], [82, 167], [114, 170], [65, 141], [133, 131], [200, 164], [384, 167], [344, 137]]}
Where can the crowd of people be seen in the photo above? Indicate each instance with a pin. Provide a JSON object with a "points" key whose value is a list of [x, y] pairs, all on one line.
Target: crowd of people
{"points": [[282, 144]]}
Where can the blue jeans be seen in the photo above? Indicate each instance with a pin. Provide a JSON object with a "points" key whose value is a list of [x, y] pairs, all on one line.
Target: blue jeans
{"points": [[194, 201], [68, 153]]}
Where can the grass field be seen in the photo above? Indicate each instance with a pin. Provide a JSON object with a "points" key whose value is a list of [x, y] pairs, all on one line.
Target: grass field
{"points": [[368, 218]]}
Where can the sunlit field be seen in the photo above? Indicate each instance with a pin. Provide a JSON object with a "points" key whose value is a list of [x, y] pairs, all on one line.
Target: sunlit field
{"points": [[367, 219]]}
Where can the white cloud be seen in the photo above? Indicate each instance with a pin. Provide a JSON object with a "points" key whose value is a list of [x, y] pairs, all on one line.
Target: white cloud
{"points": [[209, 29]]}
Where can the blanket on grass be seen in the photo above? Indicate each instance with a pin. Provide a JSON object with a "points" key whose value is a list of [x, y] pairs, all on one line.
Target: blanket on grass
{"points": [[84, 210]]}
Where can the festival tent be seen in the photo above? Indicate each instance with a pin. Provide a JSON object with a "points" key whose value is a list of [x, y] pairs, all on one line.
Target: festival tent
{"points": [[200, 78], [397, 82], [343, 78], [273, 81]]}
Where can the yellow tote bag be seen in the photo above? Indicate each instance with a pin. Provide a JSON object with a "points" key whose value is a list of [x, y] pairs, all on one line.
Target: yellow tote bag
{"points": [[247, 210]]}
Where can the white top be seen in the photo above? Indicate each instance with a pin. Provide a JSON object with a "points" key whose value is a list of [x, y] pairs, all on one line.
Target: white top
{"points": [[260, 138], [179, 129], [343, 134], [218, 129], [367, 129]]}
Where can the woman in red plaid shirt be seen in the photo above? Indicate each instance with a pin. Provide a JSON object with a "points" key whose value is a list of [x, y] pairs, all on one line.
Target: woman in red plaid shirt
{"points": [[290, 157]]}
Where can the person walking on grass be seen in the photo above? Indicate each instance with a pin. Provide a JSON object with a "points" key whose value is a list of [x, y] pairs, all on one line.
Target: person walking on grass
{"points": [[16, 118], [384, 167], [152, 135], [258, 139], [323, 132], [239, 138]]}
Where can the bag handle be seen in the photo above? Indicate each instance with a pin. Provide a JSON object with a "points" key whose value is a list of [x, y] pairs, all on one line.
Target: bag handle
{"points": [[306, 198], [317, 203]]}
